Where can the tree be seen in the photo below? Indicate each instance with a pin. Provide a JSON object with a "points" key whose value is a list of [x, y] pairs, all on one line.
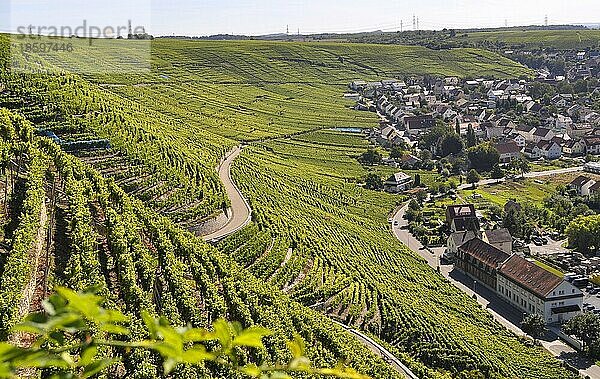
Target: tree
{"points": [[521, 165], [473, 177], [431, 138], [497, 172], [414, 212], [396, 153], [586, 328], [417, 180], [457, 127], [471, 137], [483, 157], [584, 233], [451, 144], [514, 220], [373, 182], [370, 157], [534, 325]]}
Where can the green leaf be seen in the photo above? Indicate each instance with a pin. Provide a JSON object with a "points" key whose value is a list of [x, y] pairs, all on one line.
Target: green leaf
{"points": [[196, 355], [296, 346], [150, 323], [97, 366], [88, 355], [251, 337], [198, 335], [168, 365], [251, 370], [223, 333], [115, 329]]}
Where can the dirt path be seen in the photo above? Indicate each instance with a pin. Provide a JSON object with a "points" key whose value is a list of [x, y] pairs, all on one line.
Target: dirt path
{"points": [[239, 215]]}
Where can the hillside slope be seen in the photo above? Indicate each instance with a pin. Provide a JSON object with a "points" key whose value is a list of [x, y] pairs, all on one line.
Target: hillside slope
{"points": [[98, 236], [315, 235]]}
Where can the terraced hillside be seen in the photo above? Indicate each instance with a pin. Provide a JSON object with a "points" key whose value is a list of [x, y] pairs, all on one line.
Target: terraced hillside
{"points": [[316, 235], [74, 228]]}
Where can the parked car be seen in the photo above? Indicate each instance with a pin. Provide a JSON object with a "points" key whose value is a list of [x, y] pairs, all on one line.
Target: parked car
{"points": [[537, 241]]}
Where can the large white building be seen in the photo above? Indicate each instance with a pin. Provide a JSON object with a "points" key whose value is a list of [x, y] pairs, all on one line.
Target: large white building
{"points": [[528, 287], [532, 289]]}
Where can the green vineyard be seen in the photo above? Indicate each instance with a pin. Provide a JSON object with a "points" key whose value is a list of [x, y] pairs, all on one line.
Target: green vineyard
{"points": [[318, 246]]}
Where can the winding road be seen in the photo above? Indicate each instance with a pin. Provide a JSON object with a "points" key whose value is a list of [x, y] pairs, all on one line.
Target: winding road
{"points": [[240, 216], [240, 213]]}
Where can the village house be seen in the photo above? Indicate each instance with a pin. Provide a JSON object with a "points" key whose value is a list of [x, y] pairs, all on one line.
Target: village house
{"points": [[574, 148], [535, 290], [533, 107], [416, 125], [509, 151], [548, 150], [542, 134], [562, 123], [531, 151], [593, 167], [398, 183], [578, 131], [582, 185], [499, 238], [526, 131], [524, 285], [517, 138], [461, 218], [456, 240], [409, 161], [592, 144]]}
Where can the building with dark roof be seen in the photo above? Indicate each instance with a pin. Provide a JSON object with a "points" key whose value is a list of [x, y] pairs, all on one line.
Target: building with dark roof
{"points": [[499, 238], [456, 240], [480, 260], [462, 217], [533, 289], [418, 124], [399, 182]]}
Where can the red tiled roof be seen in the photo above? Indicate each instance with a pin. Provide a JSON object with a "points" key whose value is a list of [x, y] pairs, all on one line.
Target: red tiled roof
{"points": [[484, 252], [532, 277], [507, 147]]}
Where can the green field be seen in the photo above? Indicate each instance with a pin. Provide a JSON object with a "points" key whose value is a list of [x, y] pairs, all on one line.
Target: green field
{"points": [[316, 236], [559, 39]]}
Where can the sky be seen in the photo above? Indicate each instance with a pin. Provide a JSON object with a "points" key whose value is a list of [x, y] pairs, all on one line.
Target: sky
{"points": [[207, 17]]}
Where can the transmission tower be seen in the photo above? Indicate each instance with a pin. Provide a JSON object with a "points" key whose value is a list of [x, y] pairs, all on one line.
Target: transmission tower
{"points": [[546, 20], [418, 23], [287, 29], [401, 26], [414, 22]]}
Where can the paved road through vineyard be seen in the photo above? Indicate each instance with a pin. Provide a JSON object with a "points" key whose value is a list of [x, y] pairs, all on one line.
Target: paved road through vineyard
{"points": [[239, 213]]}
